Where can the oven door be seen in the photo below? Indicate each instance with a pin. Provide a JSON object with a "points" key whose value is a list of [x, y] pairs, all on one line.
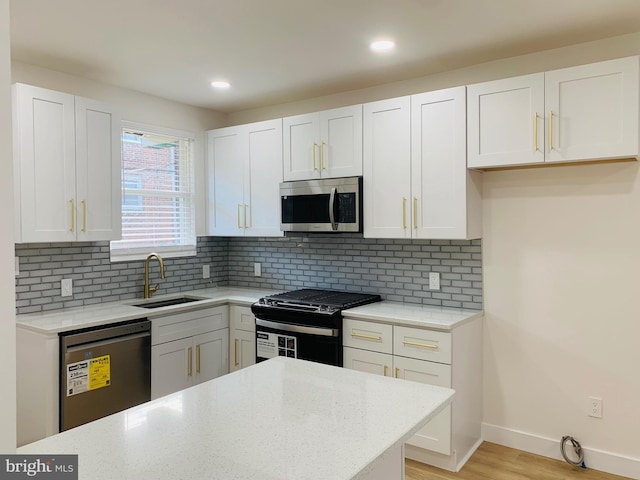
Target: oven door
{"points": [[316, 344]]}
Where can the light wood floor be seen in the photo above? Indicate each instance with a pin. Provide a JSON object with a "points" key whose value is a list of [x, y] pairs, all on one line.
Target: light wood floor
{"points": [[495, 462]]}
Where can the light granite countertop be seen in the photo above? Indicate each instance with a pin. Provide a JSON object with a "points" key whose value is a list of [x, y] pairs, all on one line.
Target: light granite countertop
{"points": [[277, 420], [105, 313], [424, 316], [413, 315]]}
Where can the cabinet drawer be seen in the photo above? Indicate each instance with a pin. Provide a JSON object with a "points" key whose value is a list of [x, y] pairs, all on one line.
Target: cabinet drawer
{"points": [[377, 337], [241, 318], [423, 344], [181, 325]]}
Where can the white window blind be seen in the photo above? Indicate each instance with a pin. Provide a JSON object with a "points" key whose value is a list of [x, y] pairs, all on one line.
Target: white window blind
{"points": [[158, 201]]}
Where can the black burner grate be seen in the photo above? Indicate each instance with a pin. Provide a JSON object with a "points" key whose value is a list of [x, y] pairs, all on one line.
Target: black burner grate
{"points": [[330, 298]]}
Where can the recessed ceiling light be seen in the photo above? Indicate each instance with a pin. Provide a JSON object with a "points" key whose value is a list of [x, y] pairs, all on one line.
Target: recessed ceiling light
{"points": [[382, 46], [220, 84]]}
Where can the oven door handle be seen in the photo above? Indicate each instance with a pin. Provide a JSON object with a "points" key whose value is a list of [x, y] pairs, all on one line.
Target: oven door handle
{"points": [[332, 208], [287, 327]]}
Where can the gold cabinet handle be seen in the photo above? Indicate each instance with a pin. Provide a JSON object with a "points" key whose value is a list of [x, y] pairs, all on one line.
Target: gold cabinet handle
{"points": [[190, 361], [416, 344], [73, 215], [385, 370], [415, 213], [550, 130], [197, 358], [535, 132], [315, 145], [397, 372], [239, 216], [368, 337], [235, 352], [245, 215], [84, 215], [404, 213], [322, 145]]}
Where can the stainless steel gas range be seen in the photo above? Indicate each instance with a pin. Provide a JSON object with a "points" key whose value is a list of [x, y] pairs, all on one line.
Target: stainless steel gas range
{"points": [[305, 324]]}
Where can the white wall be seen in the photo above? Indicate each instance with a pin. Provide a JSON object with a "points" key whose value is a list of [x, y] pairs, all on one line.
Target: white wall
{"points": [[622, 46], [136, 107], [561, 259], [7, 276]]}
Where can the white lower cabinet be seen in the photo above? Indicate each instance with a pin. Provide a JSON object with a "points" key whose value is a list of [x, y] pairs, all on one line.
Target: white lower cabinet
{"points": [[188, 348], [431, 357], [242, 338]]}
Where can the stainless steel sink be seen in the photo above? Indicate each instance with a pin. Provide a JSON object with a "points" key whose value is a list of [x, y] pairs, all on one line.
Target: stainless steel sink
{"points": [[167, 302]]}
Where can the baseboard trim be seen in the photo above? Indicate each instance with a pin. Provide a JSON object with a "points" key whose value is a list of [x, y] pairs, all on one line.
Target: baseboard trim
{"points": [[549, 447]]}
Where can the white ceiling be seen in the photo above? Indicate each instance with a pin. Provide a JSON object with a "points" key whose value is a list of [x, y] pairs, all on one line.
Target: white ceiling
{"points": [[277, 51]]}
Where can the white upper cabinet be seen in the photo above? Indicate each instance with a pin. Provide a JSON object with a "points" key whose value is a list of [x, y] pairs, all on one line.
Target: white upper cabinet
{"points": [[325, 144], [416, 183], [226, 181], [387, 168], [583, 113], [592, 111], [506, 121], [245, 171], [67, 167], [446, 197]]}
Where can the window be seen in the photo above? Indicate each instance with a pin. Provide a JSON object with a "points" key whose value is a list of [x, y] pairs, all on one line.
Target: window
{"points": [[158, 201]]}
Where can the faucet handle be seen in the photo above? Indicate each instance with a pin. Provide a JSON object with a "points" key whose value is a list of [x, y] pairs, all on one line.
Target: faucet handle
{"points": [[153, 288]]}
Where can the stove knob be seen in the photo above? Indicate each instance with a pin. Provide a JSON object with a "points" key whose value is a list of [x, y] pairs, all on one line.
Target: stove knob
{"points": [[261, 301]]}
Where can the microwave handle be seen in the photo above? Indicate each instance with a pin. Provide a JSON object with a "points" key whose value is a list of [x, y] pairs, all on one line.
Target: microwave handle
{"points": [[332, 205]]}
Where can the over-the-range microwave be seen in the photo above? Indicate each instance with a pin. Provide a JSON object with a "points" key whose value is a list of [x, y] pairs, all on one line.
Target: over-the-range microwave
{"points": [[326, 205]]}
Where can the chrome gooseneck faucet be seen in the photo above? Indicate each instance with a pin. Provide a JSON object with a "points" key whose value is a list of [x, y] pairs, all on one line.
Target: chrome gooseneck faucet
{"points": [[148, 289]]}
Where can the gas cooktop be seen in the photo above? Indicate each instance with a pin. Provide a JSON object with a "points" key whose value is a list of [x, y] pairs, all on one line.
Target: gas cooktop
{"points": [[320, 298]]}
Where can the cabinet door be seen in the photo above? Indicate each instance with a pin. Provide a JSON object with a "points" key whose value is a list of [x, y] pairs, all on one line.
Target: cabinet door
{"points": [[242, 349], [592, 111], [262, 179], [226, 154], [387, 168], [171, 367], [506, 122], [211, 352], [436, 435], [301, 147], [367, 361], [439, 164], [241, 318], [98, 171], [341, 142], [45, 170]]}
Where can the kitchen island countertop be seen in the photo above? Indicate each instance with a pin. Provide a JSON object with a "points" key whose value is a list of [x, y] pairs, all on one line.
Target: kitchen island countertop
{"points": [[280, 419]]}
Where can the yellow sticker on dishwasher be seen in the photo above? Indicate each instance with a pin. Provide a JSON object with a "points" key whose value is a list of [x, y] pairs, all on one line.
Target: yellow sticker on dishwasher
{"points": [[99, 372], [88, 375]]}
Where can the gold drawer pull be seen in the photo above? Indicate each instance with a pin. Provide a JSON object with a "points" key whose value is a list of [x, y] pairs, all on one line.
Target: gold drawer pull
{"points": [[73, 215], [84, 215], [425, 345], [404, 213], [385, 370], [190, 354], [235, 352], [397, 372], [368, 337], [197, 358]]}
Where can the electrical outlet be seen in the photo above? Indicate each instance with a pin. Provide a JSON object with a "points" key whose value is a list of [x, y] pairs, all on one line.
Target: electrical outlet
{"points": [[66, 287], [206, 273], [257, 269], [594, 408], [434, 281]]}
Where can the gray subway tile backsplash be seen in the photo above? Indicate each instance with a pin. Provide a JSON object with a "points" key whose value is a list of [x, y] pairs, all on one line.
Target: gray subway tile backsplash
{"points": [[396, 269]]}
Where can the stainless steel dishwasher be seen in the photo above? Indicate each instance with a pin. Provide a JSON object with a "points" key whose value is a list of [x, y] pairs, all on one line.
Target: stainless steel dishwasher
{"points": [[104, 370]]}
